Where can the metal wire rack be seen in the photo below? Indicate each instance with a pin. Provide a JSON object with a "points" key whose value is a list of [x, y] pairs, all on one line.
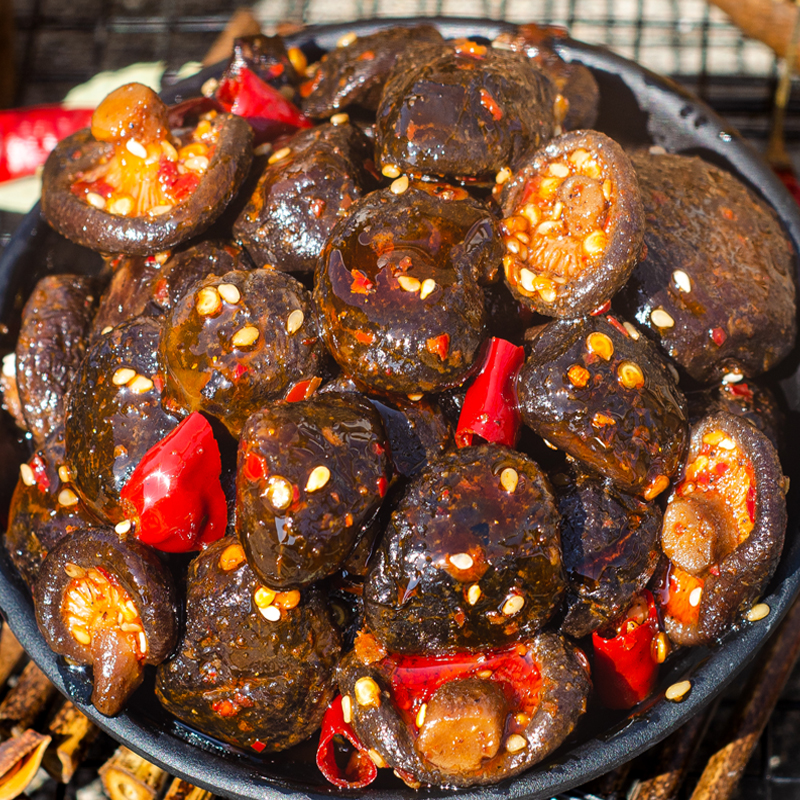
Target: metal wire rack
{"points": [[60, 45]]}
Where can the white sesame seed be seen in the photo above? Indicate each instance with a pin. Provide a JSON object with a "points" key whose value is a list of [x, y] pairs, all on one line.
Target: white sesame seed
{"points": [[279, 492], [732, 377], [757, 612], [96, 200], [347, 39], [416, 397], [682, 280], [399, 185], [376, 758], [246, 336], [347, 709], [632, 331], [196, 163], [168, 150], [73, 570], [695, 596], [295, 321], [391, 171], [428, 287], [207, 301], [10, 365], [64, 474], [474, 594], [280, 155], [66, 497], [516, 743], [420, 720], [122, 206], [509, 478], [26, 474], [367, 692], [270, 613], [502, 176], [726, 444], [106, 330], [140, 384], [513, 605], [461, 561], [661, 319], [123, 376], [229, 293], [156, 211], [340, 119], [559, 170], [136, 148], [546, 227], [526, 280], [678, 690], [209, 87], [123, 527], [318, 478], [142, 642], [409, 284]]}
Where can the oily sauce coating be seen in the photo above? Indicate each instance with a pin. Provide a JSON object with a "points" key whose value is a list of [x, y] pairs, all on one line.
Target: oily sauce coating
{"points": [[152, 285], [126, 618], [610, 548], [573, 225], [44, 508], [397, 287], [723, 530], [602, 394], [254, 668], [471, 558], [51, 344], [473, 729], [354, 73], [301, 195], [266, 56], [716, 288], [237, 341], [462, 110], [114, 413], [310, 474]]}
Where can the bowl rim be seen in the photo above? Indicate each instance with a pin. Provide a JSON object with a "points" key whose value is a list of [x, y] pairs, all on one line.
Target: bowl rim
{"points": [[679, 122]]}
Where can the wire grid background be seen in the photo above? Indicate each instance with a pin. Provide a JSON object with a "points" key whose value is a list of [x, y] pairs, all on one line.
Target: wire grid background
{"points": [[61, 44]]}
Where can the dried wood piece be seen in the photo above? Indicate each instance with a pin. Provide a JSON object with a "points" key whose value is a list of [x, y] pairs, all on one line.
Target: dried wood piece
{"points": [[766, 20], [72, 732], [242, 23], [26, 701], [20, 758], [725, 767], [11, 653], [127, 776], [183, 790]]}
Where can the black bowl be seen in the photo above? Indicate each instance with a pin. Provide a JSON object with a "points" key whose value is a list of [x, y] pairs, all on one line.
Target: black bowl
{"points": [[637, 108]]}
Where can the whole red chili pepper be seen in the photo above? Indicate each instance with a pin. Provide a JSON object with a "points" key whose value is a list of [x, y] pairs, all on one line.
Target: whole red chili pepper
{"points": [[269, 113], [27, 135], [626, 665], [174, 494], [360, 770], [490, 406]]}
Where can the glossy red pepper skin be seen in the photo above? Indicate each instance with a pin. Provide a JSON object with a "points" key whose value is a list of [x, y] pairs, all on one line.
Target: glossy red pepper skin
{"points": [[490, 406], [269, 113], [27, 135], [175, 494], [360, 770], [625, 670]]}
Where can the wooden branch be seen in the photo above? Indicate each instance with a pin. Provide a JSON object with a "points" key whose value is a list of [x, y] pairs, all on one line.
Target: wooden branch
{"points": [[11, 653], [72, 733], [725, 767], [127, 776], [26, 701], [769, 21], [20, 758], [183, 790]]}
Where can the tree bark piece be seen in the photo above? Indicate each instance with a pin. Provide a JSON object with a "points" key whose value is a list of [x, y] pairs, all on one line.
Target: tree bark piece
{"points": [[127, 776], [11, 653], [20, 758], [26, 701], [183, 790], [72, 732]]}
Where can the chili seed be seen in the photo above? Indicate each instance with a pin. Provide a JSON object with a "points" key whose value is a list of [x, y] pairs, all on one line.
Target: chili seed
{"points": [[73, 570], [136, 148], [578, 376], [509, 478], [427, 287], [246, 336], [558, 169], [208, 88], [140, 384], [130, 627], [270, 613], [121, 528], [207, 301], [347, 39], [591, 169], [158, 210], [678, 691], [142, 642], [474, 594], [713, 438], [416, 397], [526, 278], [295, 321], [632, 331], [96, 200], [577, 157], [399, 185], [682, 280], [502, 176], [81, 635], [513, 605], [461, 561], [660, 648], [279, 155], [287, 600], [757, 612], [122, 206], [340, 119], [196, 163], [600, 420], [695, 596], [279, 493], [123, 376], [376, 758], [263, 597], [391, 171], [168, 150], [516, 743], [732, 377], [347, 709], [484, 673], [557, 209], [607, 190], [66, 497], [548, 226], [26, 474], [106, 330], [655, 487], [420, 720], [318, 478], [548, 187], [595, 243], [298, 59], [726, 444], [367, 692], [231, 557], [229, 293], [600, 344], [516, 223], [531, 213], [630, 375], [512, 245], [661, 319], [409, 284]]}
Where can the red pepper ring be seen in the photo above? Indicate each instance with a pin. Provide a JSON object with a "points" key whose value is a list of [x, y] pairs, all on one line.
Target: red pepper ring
{"points": [[490, 406], [269, 113], [174, 495], [625, 668], [360, 770]]}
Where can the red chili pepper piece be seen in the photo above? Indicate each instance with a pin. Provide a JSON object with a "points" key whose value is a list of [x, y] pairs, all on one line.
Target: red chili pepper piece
{"points": [[27, 135], [269, 113], [302, 390], [490, 406], [719, 336], [360, 770], [625, 671], [175, 491]]}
